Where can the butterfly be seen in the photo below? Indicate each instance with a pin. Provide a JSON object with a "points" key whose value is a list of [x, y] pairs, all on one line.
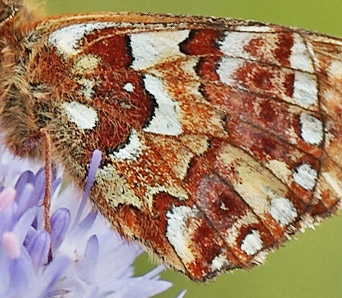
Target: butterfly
{"points": [[221, 138]]}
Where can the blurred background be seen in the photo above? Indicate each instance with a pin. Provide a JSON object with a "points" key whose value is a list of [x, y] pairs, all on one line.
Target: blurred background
{"points": [[310, 266]]}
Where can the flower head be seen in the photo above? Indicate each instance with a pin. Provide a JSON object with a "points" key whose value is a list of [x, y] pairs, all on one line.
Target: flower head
{"points": [[81, 256]]}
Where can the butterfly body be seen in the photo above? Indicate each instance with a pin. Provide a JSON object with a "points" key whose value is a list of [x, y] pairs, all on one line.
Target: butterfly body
{"points": [[220, 138]]}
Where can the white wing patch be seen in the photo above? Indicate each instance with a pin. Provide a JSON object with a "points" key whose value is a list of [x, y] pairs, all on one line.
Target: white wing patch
{"points": [[66, 39], [300, 57], [305, 176], [165, 120], [234, 43], [282, 210], [128, 87], [151, 48], [311, 129], [219, 262], [132, 150], [252, 243], [305, 91], [179, 233], [83, 116], [227, 68]]}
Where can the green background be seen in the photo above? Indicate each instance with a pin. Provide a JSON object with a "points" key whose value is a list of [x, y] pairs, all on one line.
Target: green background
{"points": [[308, 267]]}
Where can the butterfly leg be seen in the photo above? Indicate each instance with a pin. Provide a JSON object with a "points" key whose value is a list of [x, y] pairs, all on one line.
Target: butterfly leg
{"points": [[48, 178], [28, 145]]}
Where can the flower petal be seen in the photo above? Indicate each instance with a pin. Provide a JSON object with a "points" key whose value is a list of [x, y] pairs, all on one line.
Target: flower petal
{"points": [[60, 222], [87, 265], [23, 199], [39, 248], [23, 225]]}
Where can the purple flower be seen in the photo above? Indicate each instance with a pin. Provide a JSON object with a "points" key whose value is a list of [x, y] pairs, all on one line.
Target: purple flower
{"points": [[81, 256]]}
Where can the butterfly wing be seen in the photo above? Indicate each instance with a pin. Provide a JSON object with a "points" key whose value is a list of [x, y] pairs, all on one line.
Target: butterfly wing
{"points": [[220, 138]]}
